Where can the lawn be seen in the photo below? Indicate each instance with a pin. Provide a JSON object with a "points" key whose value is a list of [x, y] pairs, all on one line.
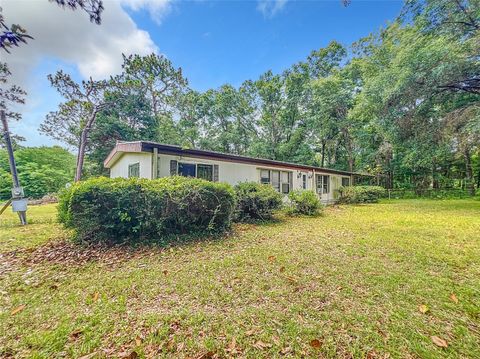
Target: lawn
{"points": [[371, 281]]}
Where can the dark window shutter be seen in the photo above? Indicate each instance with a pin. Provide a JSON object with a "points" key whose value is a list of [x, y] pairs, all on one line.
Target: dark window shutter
{"points": [[215, 173], [173, 168]]}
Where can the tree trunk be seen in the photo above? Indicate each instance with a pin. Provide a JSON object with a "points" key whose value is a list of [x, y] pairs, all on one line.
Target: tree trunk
{"points": [[82, 146], [470, 185], [323, 154]]}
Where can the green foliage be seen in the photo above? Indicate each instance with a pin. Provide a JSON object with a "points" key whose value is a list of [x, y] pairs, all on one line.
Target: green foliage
{"points": [[256, 201], [304, 202], [134, 210], [41, 170], [361, 194]]}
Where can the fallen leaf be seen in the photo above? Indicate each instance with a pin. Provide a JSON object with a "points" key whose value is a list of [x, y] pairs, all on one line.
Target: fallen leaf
{"points": [[250, 332], [423, 308], [165, 272], [88, 356], [282, 269], [205, 355], [95, 296], [292, 280], [132, 355], [75, 334], [232, 344], [17, 309], [315, 343], [276, 340], [272, 258], [454, 298], [261, 345], [439, 342], [138, 341]]}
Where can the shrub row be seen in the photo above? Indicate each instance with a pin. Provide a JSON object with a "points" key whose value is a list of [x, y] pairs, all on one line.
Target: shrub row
{"points": [[361, 194], [132, 210], [121, 210]]}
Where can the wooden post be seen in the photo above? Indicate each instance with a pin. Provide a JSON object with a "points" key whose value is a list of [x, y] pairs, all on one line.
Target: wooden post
{"points": [[155, 163], [13, 167]]}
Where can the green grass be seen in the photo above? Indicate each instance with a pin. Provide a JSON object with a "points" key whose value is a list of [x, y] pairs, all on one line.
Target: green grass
{"points": [[353, 279]]}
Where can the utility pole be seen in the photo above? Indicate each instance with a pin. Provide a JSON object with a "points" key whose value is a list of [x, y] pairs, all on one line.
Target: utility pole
{"points": [[18, 200]]}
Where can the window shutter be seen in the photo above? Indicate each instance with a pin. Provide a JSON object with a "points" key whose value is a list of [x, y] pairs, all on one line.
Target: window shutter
{"points": [[173, 168], [215, 173]]}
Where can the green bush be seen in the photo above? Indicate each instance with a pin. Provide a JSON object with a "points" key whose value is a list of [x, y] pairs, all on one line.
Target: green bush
{"points": [[361, 194], [133, 210], [256, 201], [304, 202]]}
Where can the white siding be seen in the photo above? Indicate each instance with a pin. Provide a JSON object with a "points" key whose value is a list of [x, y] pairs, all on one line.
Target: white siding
{"points": [[120, 168], [229, 172]]}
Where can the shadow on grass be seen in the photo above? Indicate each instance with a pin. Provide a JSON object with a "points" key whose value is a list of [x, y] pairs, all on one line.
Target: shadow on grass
{"points": [[72, 253]]}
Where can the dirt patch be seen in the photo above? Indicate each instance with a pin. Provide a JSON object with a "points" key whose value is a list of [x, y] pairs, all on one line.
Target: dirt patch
{"points": [[70, 254]]}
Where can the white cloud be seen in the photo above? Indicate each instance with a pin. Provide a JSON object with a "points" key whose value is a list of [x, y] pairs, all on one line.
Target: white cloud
{"points": [[67, 39], [269, 8], [157, 9], [70, 37]]}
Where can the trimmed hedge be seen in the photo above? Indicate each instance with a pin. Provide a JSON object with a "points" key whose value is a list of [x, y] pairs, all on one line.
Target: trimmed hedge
{"points": [[131, 210], [361, 194], [256, 201], [304, 202]]}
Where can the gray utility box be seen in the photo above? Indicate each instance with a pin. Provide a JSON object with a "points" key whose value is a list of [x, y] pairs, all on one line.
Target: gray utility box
{"points": [[19, 204]]}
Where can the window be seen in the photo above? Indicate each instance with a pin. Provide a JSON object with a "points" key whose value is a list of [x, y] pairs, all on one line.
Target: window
{"points": [[276, 180], [205, 172], [187, 169], [265, 176], [280, 180], [345, 181], [285, 180], [326, 184], [134, 170], [304, 181], [323, 184]]}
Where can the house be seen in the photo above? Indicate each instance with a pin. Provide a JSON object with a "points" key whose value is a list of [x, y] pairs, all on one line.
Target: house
{"points": [[154, 160]]}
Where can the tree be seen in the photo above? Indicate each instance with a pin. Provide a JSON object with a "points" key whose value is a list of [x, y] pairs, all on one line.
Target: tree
{"points": [[127, 119], [76, 117], [155, 76], [42, 170], [9, 95]]}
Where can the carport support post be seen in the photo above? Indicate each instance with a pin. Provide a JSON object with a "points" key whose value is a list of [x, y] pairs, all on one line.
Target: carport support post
{"points": [[13, 167], [155, 163]]}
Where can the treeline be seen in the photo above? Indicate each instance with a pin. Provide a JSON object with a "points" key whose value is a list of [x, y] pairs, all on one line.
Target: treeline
{"points": [[402, 103], [41, 170]]}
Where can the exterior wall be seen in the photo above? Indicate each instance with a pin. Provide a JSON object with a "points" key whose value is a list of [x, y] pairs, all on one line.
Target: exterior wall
{"points": [[120, 168], [229, 172]]}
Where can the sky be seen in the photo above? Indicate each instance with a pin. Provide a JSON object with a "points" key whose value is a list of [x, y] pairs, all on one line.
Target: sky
{"points": [[214, 42]]}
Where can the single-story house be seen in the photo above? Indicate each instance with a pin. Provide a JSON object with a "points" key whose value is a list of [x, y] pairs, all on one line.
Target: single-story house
{"points": [[154, 160]]}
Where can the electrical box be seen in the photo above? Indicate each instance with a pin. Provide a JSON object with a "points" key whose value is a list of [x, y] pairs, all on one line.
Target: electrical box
{"points": [[19, 204], [17, 192]]}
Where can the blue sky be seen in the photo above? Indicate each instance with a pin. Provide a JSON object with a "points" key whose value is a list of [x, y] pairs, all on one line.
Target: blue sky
{"points": [[215, 42], [230, 41]]}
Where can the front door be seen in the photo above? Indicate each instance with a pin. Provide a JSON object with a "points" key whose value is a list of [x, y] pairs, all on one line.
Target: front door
{"points": [[322, 184]]}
